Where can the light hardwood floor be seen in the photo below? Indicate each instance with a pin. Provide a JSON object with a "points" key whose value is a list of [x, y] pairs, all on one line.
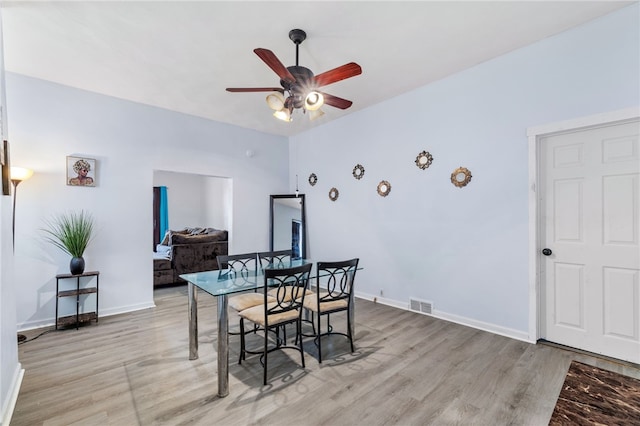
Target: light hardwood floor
{"points": [[408, 369]]}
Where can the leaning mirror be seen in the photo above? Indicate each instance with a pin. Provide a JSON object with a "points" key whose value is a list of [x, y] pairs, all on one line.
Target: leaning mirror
{"points": [[288, 228]]}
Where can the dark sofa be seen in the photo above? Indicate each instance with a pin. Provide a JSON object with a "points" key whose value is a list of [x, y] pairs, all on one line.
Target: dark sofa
{"points": [[190, 250]]}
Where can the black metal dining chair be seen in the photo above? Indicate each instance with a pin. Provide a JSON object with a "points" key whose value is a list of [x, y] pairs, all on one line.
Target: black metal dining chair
{"points": [[333, 293], [242, 265], [275, 259], [272, 315]]}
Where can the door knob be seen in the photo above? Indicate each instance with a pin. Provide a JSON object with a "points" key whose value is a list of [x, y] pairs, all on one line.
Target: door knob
{"points": [[547, 251]]}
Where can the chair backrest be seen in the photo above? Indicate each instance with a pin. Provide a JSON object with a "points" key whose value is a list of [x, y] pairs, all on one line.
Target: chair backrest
{"points": [[290, 285], [278, 259], [334, 280], [240, 264]]}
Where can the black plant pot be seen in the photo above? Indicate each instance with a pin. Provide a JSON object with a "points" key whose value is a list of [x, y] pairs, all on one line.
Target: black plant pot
{"points": [[76, 265]]}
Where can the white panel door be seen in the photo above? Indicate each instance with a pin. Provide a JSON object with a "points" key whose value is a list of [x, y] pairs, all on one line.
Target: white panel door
{"points": [[590, 220]]}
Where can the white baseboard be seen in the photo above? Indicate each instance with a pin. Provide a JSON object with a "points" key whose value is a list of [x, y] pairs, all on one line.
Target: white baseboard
{"points": [[484, 326], [469, 322], [130, 308], [12, 397], [32, 325]]}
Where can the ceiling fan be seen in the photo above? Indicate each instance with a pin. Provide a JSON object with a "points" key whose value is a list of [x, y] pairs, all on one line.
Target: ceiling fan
{"points": [[300, 84]]}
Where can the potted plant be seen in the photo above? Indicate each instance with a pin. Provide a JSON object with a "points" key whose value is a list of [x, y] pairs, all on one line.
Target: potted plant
{"points": [[71, 233]]}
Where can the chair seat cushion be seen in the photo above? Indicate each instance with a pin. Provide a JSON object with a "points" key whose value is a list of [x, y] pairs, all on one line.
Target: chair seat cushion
{"points": [[247, 300], [311, 304], [256, 315], [287, 293]]}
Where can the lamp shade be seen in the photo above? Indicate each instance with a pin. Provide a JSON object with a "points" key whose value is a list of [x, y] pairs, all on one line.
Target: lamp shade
{"points": [[20, 173], [283, 115], [313, 101], [275, 101], [315, 114]]}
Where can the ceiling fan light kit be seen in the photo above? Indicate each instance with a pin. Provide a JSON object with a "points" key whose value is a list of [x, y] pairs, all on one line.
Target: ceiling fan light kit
{"points": [[313, 101], [300, 84], [315, 114], [275, 101], [283, 115]]}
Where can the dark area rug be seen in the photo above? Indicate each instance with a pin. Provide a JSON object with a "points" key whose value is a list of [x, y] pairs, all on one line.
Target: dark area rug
{"points": [[593, 396]]}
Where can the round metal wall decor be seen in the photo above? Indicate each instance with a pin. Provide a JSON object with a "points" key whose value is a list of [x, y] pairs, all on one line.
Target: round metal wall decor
{"points": [[358, 171], [461, 177], [424, 160], [313, 179], [384, 188], [333, 194]]}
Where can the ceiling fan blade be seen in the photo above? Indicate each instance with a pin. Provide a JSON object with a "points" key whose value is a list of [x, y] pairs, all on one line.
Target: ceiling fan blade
{"points": [[255, 89], [345, 71], [336, 102], [274, 63]]}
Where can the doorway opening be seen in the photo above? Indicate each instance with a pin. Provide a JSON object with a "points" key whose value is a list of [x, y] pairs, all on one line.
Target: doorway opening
{"points": [[192, 201]]}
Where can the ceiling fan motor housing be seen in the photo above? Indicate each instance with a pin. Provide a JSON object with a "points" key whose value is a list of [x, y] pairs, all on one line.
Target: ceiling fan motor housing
{"points": [[302, 86]]}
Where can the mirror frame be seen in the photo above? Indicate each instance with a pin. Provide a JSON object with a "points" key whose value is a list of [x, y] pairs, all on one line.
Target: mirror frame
{"points": [[303, 219]]}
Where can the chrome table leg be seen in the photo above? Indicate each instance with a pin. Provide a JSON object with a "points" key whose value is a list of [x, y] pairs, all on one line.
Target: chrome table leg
{"points": [[223, 346], [193, 321]]}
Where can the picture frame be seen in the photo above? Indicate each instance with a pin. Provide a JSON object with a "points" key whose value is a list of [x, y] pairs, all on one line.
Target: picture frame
{"points": [[81, 171]]}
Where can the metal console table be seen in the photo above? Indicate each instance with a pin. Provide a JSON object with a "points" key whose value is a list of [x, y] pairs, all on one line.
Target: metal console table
{"points": [[78, 317]]}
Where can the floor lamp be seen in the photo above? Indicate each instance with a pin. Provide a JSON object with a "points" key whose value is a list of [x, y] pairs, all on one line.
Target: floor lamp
{"points": [[18, 174]]}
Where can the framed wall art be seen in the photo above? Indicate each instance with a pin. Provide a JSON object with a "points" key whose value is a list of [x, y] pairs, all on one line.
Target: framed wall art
{"points": [[334, 194], [384, 188], [81, 171], [461, 177], [424, 160], [358, 171]]}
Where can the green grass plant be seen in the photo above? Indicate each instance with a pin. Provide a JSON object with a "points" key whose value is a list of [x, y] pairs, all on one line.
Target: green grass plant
{"points": [[70, 232]]}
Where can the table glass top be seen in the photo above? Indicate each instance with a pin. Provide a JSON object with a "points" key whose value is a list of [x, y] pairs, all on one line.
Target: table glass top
{"points": [[224, 281]]}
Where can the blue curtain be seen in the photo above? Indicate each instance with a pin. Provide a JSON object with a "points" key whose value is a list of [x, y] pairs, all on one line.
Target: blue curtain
{"points": [[164, 212]]}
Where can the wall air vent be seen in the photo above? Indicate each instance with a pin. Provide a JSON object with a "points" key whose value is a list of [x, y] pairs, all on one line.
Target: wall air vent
{"points": [[420, 306]]}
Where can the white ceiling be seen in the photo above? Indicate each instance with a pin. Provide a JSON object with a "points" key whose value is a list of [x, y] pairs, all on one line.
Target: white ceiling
{"points": [[182, 55]]}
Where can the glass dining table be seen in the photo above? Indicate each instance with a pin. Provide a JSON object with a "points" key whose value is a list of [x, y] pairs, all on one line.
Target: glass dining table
{"points": [[222, 283]]}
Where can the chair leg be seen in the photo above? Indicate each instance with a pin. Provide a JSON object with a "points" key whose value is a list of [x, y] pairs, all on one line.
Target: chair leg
{"points": [[266, 332], [299, 337], [313, 323], [241, 340], [319, 339], [349, 330], [305, 320]]}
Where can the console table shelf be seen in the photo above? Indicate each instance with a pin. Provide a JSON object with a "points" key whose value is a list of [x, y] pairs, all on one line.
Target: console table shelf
{"points": [[66, 293], [79, 317], [82, 318]]}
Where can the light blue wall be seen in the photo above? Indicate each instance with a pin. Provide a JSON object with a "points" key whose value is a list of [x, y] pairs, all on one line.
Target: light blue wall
{"points": [[129, 141], [10, 368], [465, 249]]}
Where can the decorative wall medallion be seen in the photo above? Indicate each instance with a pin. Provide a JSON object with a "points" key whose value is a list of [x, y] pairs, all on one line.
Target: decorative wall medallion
{"points": [[358, 171], [460, 177], [424, 160], [333, 194], [313, 179], [384, 188]]}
